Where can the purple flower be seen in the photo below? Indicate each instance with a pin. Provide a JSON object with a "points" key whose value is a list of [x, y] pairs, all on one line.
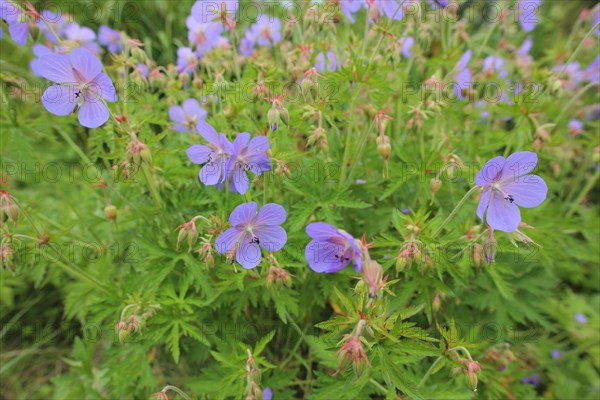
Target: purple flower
{"points": [[143, 70], [18, 27], [55, 21], [494, 65], [592, 73], [405, 211], [246, 45], [531, 380], [556, 354], [267, 394], [266, 31], [575, 127], [187, 115], [508, 185], [349, 7], [84, 36], [187, 61], [9, 12], [250, 229], [247, 156], [582, 319], [214, 156], [435, 3], [331, 249], [39, 50], [527, 14], [525, 47], [573, 72], [209, 10], [394, 8], [331, 64], [204, 36], [110, 38], [80, 82], [463, 74], [407, 43]]}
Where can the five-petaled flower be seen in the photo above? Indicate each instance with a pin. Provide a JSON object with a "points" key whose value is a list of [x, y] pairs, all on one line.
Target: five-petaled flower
{"points": [[249, 155], [110, 38], [80, 82], [331, 249], [508, 184], [251, 230], [187, 116], [214, 156]]}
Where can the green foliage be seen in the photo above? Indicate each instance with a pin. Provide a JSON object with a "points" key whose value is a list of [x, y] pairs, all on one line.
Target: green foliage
{"points": [[100, 307]]}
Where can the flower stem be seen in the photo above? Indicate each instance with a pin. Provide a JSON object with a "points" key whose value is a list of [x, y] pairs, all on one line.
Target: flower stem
{"points": [[153, 190], [176, 390], [26, 214], [460, 203], [464, 350], [590, 185], [429, 371], [567, 107]]}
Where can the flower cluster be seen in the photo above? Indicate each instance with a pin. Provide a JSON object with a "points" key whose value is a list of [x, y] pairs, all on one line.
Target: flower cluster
{"points": [[266, 32], [227, 162]]}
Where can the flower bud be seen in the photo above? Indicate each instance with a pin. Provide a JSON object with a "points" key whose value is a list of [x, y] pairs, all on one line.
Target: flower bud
{"points": [[436, 304], [478, 256], [596, 155], [122, 332], [7, 256], [384, 148], [182, 234], [308, 88], [285, 116], [400, 263], [188, 230], [273, 117], [146, 155], [489, 248], [352, 352], [139, 55], [184, 78], [197, 83], [12, 211], [434, 185], [111, 212], [372, 275], [8, 208], [472, 373]]}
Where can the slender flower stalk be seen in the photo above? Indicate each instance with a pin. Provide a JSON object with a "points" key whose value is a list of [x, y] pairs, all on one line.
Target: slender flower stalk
{"points": [[454, 211]]}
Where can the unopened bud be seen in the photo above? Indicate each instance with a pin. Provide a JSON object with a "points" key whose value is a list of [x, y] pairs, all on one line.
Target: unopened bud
{"points": [[197, 83], [182, 234], [146, 155], [192, 237], [384, 148], [273, 117], [478, 255], [184, 78], [12, 211], [437, 303], [285, 116], [372, 275], [111, 212], [434, 185], [307, 87], [472, 373], [400, 263]]}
